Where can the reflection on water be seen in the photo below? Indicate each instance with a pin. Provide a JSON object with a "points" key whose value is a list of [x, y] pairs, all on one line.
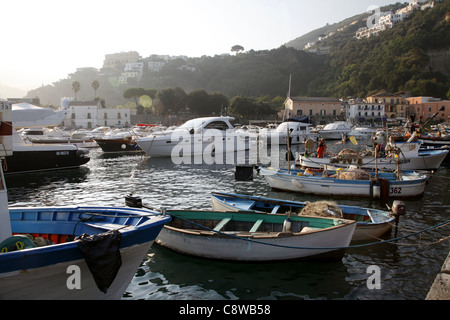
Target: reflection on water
{"points": [[408, 267]]}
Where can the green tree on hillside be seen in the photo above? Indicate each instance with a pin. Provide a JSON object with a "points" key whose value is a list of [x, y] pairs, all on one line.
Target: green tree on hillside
{"points": [[134, 93], [173, 99]]}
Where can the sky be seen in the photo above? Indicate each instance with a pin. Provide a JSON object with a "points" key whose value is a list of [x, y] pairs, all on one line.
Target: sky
{"points": [[44, 41]]}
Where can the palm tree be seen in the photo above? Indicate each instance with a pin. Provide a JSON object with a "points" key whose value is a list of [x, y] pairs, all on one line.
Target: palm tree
{"points": [[95, 85], [75, 88]]}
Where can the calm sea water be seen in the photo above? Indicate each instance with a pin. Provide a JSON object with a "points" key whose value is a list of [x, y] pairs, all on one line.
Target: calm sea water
{"points": [[408, 267]]}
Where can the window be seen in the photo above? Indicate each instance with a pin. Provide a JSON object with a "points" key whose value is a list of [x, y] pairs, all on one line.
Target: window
{"points": [[89, 115], [323, 112], [310, 112], [105, 116], [299, 112]]}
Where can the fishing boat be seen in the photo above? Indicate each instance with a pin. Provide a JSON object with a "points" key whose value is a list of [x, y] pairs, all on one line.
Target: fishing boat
{"points": [[370, 223], [104, 246], [435, 139], [255, 237], [407, 154], [296, 130], [347, 182], [199, 136], [335, 130]]}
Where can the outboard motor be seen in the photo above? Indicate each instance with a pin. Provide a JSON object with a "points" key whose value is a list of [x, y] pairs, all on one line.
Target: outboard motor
{"points": [[398, 209]]}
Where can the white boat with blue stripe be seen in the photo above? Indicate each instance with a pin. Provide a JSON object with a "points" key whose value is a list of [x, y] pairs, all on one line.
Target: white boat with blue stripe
{"points": [[347, 182]]}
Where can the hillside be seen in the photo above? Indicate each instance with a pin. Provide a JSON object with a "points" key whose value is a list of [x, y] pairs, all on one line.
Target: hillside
{"points": [[412, 56]]}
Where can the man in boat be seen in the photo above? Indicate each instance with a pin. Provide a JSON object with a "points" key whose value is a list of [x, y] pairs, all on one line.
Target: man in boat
{"points": [[321, 149]]}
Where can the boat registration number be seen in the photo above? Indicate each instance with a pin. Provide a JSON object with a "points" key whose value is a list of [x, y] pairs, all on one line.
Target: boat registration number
{"points": [[395, 190]]}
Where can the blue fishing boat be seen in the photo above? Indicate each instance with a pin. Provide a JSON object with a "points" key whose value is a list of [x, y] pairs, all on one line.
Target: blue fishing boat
{"points": [[370, 223], [86, 252]]}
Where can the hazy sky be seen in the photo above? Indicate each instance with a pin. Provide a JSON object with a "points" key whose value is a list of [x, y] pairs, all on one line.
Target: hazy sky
{"points": [[43, 41]]}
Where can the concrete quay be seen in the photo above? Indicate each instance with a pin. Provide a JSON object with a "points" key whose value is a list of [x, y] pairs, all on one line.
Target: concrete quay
{"points": [[440, 290]]}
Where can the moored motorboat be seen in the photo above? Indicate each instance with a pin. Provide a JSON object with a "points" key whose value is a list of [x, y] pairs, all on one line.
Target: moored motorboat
{"points": [[296, 130], [44, 135], [119, 141], [370, 223], [199, 136], [347, 182], [255, 237], [34, 157], [335, 130]]}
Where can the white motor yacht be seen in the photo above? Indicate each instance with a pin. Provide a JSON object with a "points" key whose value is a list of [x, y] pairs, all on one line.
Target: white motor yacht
{"points": [[334, 130], [197, 136]]}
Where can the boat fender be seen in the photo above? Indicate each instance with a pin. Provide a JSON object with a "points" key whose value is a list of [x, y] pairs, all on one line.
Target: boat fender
{"points": [[297, 184], [123, 146], [17, 242], [287, 225], [384, 189]]}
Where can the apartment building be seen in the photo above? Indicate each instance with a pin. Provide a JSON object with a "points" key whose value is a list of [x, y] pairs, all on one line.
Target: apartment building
{"points": [[362, 111], [321, 110], [114, 60], [422, 108], [395, 104]]}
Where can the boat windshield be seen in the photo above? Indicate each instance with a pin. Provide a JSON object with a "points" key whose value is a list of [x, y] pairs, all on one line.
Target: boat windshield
{"points": [[199, 123]]}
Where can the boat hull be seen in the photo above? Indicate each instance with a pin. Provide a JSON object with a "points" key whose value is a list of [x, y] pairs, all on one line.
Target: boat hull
{"points": [[164, 146], [267, 249], [333, 135], [29, 284], [340, 187], [25, 273], [47, 157], [118, 145]]}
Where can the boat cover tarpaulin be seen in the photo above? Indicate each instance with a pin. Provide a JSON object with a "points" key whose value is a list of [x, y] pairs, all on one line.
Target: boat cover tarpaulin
{"points": [[102, 255]]}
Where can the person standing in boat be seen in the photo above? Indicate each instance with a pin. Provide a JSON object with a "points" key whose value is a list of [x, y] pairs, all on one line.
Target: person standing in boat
{"points": [[321, 149]]}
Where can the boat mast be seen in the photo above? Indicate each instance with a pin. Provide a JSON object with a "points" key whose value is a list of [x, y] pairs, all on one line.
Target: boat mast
{"points": [[288, 144]]}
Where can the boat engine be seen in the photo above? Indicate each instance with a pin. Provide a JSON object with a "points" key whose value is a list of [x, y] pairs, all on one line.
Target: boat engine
{"points": [[398, 208]]}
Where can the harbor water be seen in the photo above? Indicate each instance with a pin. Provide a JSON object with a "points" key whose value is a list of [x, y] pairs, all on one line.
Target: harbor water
{"points": [[407, 267]]}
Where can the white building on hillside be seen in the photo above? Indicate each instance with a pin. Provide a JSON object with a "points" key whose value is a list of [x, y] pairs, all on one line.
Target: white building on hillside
{"points": [[90, 114]]}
